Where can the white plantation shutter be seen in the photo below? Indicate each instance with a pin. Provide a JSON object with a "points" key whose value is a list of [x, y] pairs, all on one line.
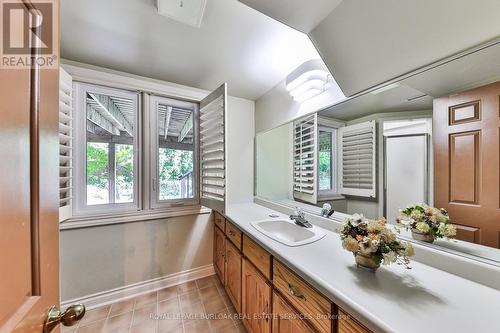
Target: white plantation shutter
{"points": [[213, 149], [357, 154], [305, 159], [65, 145]]}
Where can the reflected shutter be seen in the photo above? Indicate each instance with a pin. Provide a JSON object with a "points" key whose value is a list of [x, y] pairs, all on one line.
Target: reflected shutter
{"points": [[305, 159], [357, 150]]}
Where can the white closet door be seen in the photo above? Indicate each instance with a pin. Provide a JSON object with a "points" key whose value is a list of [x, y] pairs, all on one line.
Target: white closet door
{"points": [[213, 149], [406, 163]]}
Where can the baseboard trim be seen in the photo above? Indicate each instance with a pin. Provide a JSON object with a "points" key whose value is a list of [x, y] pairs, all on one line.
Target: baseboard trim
{"points": [[137, 289]]}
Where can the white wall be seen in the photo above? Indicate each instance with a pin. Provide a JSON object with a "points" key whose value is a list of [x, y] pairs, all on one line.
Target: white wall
{"points": [[273, 162], [105, 257], [240, 150]]}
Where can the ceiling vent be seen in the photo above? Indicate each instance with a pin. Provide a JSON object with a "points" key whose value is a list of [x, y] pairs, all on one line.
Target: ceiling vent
{"points": [[185, 11]]}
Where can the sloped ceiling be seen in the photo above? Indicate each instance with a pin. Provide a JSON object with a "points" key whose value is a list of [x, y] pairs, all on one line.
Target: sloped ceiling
{"points": [[365, 43], [299, 14], [235, 43]]}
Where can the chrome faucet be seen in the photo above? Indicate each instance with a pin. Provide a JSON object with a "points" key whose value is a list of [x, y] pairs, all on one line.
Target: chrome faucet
{"points": [[300, 219], [327, 210]]}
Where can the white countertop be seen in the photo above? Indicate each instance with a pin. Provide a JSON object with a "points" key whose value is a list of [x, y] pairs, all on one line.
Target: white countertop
{"points": [[423, 299]]}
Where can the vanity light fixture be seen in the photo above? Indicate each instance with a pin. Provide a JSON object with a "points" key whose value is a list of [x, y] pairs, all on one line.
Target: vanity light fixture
{"points": [[308, 80]]}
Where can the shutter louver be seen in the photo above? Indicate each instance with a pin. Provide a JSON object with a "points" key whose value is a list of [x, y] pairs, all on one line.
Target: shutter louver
{"points": [[213, 150], [65, 145], [357, 149], [304, 159]]}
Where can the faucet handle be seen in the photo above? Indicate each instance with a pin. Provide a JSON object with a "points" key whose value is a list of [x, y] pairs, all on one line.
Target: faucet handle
{"points": [[299, 212]]}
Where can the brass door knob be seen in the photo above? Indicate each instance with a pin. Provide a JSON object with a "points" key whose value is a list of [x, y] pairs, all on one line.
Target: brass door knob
{"points": [[70, 317]]}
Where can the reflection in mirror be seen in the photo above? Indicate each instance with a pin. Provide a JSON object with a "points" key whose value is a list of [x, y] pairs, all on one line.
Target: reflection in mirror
{"points": [[400, 145]]}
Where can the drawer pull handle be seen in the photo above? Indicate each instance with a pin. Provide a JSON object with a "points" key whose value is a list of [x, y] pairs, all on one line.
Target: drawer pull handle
{"points": [[231, 232], [266, 310], [295, 293]]}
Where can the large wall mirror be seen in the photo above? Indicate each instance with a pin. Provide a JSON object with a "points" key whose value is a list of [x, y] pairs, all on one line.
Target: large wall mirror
{"points": [[431, 137]]}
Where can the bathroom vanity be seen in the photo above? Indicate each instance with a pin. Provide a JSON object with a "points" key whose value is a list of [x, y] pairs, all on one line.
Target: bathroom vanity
{"points": [[317, 287]]}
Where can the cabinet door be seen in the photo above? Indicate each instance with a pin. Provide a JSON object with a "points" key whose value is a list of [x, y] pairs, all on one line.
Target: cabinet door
{"points": [[233, 275], [219, 252], [256, 300], [285, 319]]}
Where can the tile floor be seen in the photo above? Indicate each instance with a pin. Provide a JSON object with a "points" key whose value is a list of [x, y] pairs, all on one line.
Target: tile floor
{"points": [[177, 309]]}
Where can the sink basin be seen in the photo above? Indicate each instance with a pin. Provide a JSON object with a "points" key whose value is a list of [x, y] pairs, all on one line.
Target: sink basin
{"points": [[287, 232]]}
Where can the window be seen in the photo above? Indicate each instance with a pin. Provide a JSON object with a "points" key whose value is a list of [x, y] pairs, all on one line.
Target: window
{"points": [[173, 152], [106, 146], [327, 152]]}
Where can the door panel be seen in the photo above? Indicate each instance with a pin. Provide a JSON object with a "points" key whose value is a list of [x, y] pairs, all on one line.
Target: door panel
{"points": [[219, 252], [466, 156], [233, 275], [255, 300], [29, 196], [285, 319]]}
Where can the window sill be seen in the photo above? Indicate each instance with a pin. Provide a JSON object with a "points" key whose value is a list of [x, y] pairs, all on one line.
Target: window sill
{"points": [[145, 215], [330, 197]]}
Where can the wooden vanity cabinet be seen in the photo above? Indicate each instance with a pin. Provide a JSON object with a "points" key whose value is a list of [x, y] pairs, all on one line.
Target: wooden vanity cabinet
{"points": [[232, 275], [219, 253], [347, 324], [256, 300], [286, 319]]}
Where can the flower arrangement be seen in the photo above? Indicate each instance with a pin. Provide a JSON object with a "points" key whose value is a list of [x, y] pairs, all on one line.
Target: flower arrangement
{"points": [[427, 222], [373, 243]]}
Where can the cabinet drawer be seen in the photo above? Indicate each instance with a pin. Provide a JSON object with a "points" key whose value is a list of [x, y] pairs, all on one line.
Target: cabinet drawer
{"points": [[258, 256], [233, 234], [303, 297], [285, 319], [347, 324], [220, 221]]}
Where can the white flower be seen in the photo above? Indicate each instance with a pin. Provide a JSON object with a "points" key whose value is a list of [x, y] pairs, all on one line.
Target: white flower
{"points": [[389, 258], [406, 221], [357, 219]]}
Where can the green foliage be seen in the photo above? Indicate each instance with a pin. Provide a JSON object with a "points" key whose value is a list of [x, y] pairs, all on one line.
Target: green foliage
{"points": [[97, 164]]}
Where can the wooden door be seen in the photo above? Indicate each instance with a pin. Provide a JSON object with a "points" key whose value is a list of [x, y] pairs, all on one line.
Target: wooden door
{"points": [[466, 162], [285, 319], [219, 252], [233, 275], [29, 198], [255, 300]]}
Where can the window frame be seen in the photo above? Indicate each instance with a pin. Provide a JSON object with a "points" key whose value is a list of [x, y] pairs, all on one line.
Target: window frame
{"points": [[81, 208], [333, 161], [155, 202]]}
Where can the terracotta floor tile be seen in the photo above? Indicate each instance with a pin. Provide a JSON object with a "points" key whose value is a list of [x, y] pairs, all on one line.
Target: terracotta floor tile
{"points": [[209, 293], [94, 327], [189, 298], [197, 326], [179, 329], [145, 327], [94, 315], [169, 307], [214, 305], [146, 313], [169, 325], [192, 312], [222, 321], [115, 323], [121, 307], [145, 299], [167, 293], [186, 287], [206, 282]]}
